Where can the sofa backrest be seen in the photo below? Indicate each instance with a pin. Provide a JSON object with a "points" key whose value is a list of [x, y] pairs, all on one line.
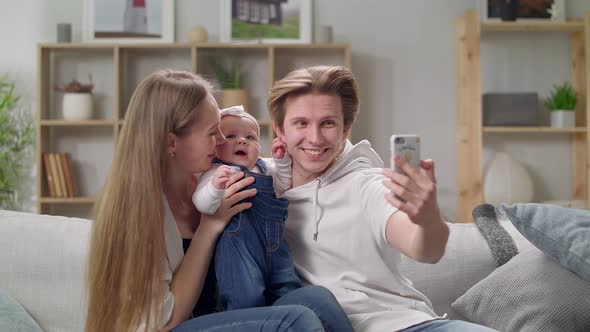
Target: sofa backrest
{"points": [[43, 266]]}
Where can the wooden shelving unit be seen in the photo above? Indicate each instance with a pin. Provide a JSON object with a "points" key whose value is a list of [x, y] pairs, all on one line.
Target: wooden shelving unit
{"points": [[469, 33], [117, 69]]}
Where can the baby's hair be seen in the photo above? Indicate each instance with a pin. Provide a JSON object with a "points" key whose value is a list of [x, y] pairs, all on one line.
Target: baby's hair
{"points": [[239, 111]]}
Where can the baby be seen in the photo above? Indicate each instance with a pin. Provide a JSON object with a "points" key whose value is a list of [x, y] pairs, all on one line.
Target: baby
{"points": [[253, 263]]}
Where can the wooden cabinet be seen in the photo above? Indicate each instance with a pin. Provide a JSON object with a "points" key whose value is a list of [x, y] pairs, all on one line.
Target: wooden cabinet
{"points": [[116, 70], [470, 131]]}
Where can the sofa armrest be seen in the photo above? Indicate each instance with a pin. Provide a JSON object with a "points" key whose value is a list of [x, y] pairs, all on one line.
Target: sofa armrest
{"points": [[43, 265]]}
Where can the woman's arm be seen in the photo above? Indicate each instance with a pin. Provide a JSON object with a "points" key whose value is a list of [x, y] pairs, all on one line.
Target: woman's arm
{"points": [[417, 229], [188, 280]]}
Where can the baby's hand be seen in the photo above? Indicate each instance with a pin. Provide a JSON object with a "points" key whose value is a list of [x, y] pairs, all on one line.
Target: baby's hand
{"points": [[278, 148], [221, 176]]}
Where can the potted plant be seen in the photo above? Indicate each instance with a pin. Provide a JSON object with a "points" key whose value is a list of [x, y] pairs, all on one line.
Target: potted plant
{"points": [[16, 137], [229, 77], [562, 104], [77, 100]]}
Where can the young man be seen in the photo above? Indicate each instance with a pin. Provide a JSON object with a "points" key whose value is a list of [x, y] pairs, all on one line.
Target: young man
{"points": [[346, 228]]}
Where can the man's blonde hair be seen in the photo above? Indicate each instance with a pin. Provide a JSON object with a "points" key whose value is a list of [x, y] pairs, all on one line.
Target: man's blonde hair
{"points": [[322, 79]]}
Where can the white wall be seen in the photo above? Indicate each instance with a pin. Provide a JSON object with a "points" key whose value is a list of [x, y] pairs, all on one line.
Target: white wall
{"points": [[403, 56]]}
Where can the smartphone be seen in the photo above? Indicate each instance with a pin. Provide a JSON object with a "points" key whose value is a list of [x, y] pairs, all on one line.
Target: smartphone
{"points": [[406, 147]]}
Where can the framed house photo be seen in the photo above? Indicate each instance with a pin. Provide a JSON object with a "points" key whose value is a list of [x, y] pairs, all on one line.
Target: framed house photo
{"points": [[122, 21], [541, 10], [266, 21]]}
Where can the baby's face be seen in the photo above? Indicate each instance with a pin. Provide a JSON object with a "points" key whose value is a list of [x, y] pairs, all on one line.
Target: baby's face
{"points": [[241, 144]]}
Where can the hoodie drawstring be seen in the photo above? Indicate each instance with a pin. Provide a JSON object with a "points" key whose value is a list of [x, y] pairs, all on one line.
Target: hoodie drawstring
{"points": [[315, 209]]}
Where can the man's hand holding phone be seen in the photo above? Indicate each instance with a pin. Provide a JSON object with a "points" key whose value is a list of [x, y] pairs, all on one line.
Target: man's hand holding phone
{"points": [[413, 191]]}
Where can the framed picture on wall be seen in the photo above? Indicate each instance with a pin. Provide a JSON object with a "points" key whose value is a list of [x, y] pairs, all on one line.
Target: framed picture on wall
{"points": [[128, 21], [266, 21], [522, 10]]}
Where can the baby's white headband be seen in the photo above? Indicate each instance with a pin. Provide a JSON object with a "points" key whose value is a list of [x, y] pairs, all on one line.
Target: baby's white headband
{"points": [[239, 111]]}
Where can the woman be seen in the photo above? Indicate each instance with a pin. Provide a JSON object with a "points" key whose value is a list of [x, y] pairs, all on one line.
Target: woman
{"points": [[139, 278], [346, 228]]}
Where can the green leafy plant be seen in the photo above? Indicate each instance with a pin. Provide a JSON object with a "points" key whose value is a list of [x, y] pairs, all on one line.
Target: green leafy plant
{"points": [[563, 98], [16, 136], [227, 74]]}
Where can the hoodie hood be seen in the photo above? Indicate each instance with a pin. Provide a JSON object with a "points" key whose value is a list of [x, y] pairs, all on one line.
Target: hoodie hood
{"points": [[353, 158]]}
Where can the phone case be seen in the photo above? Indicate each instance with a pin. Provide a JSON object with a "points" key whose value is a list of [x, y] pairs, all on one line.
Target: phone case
{"points": [[407, 147]]}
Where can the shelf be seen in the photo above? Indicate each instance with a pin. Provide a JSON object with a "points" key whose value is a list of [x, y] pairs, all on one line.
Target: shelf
{"points": [[69, 123], [532, 26], [533, 130], [470, 31], [117, 69], [66, 200], [261, 123], [93, 46]]}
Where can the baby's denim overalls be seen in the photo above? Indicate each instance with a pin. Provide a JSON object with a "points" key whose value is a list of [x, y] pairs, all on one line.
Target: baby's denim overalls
{"points": [[253, 263]]}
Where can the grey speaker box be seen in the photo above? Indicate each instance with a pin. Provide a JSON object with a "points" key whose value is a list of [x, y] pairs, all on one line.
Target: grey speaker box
{"points": [[510, 109]]}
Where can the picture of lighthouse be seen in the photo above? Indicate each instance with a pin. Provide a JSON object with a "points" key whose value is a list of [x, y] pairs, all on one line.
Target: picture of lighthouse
{"points": [[135, 18], [128, 19]]}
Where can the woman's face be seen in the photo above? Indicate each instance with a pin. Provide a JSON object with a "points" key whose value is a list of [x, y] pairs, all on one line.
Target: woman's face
{"points": [[194, 152], [314, 133]]}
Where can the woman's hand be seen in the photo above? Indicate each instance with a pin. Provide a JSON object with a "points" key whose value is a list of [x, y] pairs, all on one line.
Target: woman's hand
{"points": [[417, 191], [229, 207]]}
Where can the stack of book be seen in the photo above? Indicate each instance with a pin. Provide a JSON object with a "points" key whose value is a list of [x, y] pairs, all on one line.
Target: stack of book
{"points": [[58, 173]]}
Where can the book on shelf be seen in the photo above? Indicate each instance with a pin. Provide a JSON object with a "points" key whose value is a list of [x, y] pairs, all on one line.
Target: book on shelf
{"points": [[61, 175], [55, 175], [49, 175], [67, 166], [58, 173]]}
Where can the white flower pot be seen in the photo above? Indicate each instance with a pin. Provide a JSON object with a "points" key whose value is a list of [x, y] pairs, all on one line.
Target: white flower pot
{"points": [[563, 119], [77, 106]]}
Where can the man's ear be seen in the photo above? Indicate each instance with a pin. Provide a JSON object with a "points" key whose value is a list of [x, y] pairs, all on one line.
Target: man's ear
{"points": [[278, 131], [171, 144], [347, 131]]}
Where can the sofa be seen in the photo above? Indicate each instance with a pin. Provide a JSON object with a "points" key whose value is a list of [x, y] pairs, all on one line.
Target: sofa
{"points": [[43, 257]]}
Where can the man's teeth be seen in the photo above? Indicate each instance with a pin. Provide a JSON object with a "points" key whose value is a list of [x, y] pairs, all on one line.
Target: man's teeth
{"points": [[313, 152]]}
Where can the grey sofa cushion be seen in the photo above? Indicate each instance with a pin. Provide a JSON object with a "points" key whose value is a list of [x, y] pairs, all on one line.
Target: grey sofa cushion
{"points": [[531, 292], [467, 260], [559, 232], [13, 317]]}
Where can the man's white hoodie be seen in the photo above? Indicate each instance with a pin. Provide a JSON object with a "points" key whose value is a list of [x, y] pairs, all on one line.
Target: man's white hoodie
{"points": [[336, 231]]}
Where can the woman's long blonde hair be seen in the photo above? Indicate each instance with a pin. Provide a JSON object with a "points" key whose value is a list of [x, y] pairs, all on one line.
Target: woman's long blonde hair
{"points": [[127, 247]]}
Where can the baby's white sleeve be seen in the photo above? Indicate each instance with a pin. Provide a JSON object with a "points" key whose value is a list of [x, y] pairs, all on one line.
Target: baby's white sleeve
{"points": [[207, 198], [280, 170]]}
